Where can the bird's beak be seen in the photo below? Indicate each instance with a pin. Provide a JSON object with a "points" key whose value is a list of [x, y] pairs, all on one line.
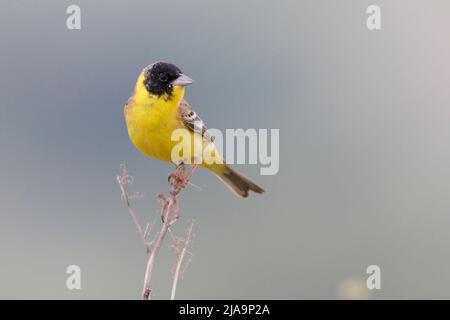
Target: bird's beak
{"points": [[182, 81]]}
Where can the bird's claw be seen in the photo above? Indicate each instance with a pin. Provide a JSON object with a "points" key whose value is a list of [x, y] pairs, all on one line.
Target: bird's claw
{"points": [[178, 180]]}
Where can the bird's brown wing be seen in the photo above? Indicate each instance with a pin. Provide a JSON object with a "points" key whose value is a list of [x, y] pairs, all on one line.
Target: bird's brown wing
{"points": [[191, 120]]}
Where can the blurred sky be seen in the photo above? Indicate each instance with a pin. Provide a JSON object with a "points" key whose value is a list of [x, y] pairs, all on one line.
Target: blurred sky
{"points": [[364, 147]]}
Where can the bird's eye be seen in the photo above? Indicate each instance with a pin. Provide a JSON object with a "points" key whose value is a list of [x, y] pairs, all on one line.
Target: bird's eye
{"points": [[162, 77]]}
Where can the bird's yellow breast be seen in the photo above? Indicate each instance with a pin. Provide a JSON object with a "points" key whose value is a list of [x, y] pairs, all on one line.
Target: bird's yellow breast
{"points": [[151, 120]]}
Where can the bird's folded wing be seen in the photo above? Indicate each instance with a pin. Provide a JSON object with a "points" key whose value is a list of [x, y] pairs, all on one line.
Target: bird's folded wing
{"points": [[193, 121]]}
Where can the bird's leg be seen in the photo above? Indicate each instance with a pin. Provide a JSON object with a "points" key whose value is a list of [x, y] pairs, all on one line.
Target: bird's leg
{"points": [[191, 173], [179, 179], [181, 170], [175, 178]]}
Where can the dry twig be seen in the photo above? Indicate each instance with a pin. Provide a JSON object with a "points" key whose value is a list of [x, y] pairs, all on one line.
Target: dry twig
{"points": [[169, 207], [180, 255]]}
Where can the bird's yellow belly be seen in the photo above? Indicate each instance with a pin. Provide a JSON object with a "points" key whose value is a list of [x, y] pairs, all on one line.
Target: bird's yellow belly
{"points": [[150, 131]]}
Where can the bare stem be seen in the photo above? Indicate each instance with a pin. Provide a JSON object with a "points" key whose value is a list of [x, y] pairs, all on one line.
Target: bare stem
{"points": [[123, 180], [178, 181], [180, 260], [146, 291]]}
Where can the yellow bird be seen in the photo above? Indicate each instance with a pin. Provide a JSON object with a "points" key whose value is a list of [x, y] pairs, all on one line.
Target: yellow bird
{"points": [[157, 108]]}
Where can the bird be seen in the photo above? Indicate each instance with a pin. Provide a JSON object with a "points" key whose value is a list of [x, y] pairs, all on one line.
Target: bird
{"points": [[157, 108]]}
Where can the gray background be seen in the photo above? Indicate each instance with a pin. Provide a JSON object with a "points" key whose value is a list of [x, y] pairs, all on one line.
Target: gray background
{"points": [[364, 165]]}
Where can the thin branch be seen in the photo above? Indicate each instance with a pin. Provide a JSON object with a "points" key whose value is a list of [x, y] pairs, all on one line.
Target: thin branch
{"points": [[178, 181], [180, 259], [148, 231], [123, 179], [146, 291]]}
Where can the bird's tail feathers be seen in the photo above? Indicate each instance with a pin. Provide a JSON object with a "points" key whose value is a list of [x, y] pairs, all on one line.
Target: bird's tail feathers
{"points": [[239, 184]]}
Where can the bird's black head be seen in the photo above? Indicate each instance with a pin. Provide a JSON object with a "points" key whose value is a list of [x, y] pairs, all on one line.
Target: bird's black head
{"points": [[160, 78]]}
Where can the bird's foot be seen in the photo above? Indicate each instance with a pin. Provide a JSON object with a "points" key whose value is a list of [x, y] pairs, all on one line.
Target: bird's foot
{"points": [[179, 179]]}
